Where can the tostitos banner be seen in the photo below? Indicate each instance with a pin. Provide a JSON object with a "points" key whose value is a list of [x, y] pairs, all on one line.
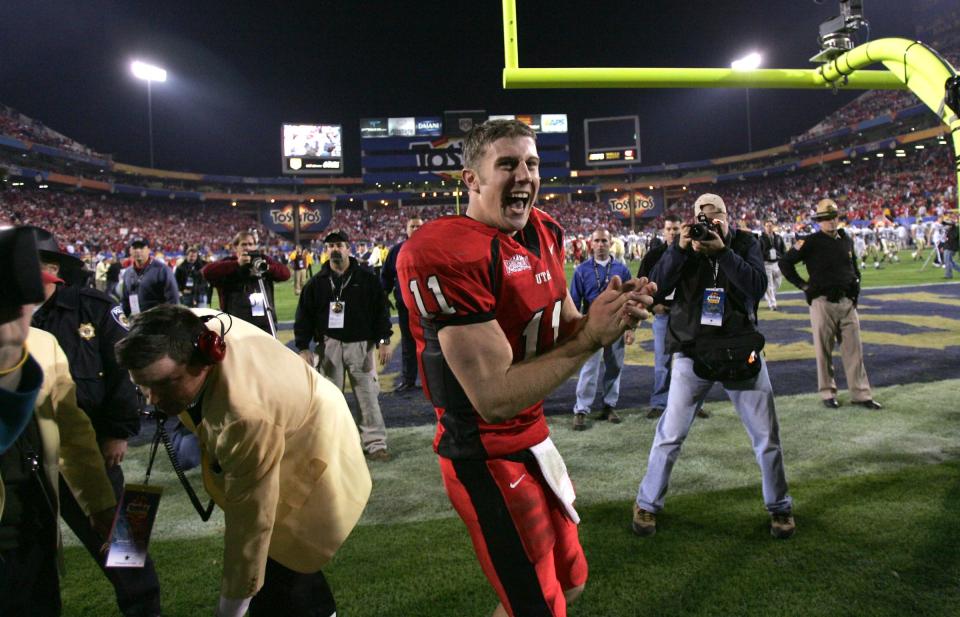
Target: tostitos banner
{"points": [[647, 204], [314, 218]]}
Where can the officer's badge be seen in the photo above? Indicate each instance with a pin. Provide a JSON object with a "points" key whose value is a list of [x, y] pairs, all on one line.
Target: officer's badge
{"points": [[118, 316], [86, 331]]}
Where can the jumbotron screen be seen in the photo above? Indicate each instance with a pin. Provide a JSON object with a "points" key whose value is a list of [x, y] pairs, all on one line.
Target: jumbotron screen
{"points": [[312, 149]]}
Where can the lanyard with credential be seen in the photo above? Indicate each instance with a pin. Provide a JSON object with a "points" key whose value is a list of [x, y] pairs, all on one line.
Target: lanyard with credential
{"points": [[338, 305], [601, 285], [716, 270]]}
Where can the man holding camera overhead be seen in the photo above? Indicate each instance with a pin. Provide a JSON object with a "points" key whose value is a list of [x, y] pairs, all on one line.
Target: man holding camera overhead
{"points": [[717, 277], [237, 284]]}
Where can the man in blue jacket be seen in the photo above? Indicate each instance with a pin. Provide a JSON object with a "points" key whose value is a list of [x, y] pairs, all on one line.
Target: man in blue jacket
{"points": [[717, 278], [589, 280], [147, 282]]}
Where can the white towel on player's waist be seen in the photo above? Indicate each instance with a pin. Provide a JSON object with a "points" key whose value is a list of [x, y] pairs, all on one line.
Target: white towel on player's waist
{"points": [[555, 473]]}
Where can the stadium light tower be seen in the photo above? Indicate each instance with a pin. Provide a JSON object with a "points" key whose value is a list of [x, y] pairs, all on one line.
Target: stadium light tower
{"points": [[150, 74], [750, 62]]}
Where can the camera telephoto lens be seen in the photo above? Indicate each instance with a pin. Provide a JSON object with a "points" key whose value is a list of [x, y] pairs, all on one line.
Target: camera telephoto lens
{"points": [[698, 231]]}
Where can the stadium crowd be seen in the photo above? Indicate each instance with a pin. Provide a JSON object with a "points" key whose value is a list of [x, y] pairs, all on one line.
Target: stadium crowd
{"points": [[91, 223], [920, 183], [870, 105], [19, 126], [917, 184]]}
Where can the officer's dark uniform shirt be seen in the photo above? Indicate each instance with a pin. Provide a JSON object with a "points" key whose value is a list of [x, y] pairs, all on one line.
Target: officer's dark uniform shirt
{"points": [[831, 266], [87, 323]]}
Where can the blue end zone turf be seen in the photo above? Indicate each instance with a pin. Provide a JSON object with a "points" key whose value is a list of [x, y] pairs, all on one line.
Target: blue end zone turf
{"points": [[909, 334]]}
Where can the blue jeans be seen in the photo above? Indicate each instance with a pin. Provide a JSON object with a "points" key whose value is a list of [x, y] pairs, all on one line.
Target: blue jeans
{"points": [[612, 357], [949, 263], [753, 400], [661, 363]]}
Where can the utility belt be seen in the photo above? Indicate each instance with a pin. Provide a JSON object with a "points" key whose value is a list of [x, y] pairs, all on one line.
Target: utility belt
{"points": [[835, 294]]}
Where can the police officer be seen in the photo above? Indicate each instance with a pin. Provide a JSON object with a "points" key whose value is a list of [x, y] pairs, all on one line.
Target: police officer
{"points": [[87, 323], [832, 292]]}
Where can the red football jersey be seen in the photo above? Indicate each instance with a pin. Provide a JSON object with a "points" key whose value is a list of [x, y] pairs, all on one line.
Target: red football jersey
{"points": [[457, 271]]}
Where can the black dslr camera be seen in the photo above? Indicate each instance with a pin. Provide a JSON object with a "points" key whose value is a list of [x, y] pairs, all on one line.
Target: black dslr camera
{"points": [[258, 263], [702, 228]]}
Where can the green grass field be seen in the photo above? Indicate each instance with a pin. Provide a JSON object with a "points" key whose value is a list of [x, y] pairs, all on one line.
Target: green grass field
{"points": [[877, 501]]}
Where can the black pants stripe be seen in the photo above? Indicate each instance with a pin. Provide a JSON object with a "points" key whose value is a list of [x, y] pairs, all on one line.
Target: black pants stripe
{"points": [[516, 573]]}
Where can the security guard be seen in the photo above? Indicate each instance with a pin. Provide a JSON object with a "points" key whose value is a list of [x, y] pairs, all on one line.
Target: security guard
{"points": [[87, 323], [832, 293]]}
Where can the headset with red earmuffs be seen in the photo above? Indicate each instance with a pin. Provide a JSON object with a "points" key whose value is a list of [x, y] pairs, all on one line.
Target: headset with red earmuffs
{"points": [[212, 347]]}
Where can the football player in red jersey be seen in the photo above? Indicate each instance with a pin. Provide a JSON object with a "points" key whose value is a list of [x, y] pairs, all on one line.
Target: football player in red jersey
{"points": [[496, 331]]}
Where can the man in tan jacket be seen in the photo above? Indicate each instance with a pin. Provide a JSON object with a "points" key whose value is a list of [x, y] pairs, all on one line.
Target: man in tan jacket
{"points": [[43, 433], [281, 455]]}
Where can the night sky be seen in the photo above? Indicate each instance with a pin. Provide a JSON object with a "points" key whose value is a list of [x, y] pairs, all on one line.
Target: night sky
{"points": [[238, 70]]}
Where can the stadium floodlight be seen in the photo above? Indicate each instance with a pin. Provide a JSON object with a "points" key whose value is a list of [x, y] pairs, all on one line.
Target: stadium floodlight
{"points": [[750, 62], [148, 73]]}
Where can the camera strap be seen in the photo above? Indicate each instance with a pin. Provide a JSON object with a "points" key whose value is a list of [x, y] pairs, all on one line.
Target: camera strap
{"points": [[161, 436]]}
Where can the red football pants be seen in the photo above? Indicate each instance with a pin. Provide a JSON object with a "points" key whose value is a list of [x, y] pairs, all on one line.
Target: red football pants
{"points": [[528, 548]]}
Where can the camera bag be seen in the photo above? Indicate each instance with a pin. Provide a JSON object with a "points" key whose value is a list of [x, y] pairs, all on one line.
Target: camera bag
{"points": [[728, 358]]}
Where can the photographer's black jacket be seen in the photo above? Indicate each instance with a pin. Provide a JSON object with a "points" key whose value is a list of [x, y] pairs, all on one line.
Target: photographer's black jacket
{"points": [[87, 323], [776, 243], [234, 284], [739, 272], [367, 315], [187, 271], [831, 266]]}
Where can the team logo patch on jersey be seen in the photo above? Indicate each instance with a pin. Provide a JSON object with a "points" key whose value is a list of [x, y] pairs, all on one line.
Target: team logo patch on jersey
{"points": [[118, 316], [86, 331], [516, 264]]}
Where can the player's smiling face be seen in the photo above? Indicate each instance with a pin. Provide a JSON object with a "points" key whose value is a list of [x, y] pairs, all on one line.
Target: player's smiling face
{"points": [[504, 188]]}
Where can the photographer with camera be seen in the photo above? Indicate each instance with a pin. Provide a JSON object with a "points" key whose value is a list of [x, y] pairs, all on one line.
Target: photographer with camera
{"points": [[244, 282], [716, 275], [832, 292]]}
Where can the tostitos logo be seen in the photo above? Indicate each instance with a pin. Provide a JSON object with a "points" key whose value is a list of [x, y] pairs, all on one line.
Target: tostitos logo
{"points": [[621, 205], [516, 264], [283, 217]]}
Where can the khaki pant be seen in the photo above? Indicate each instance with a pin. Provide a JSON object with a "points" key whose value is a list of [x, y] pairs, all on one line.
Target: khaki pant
{"points": [[829, 319], [299, 280], [774, 279], [357, 362]]}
